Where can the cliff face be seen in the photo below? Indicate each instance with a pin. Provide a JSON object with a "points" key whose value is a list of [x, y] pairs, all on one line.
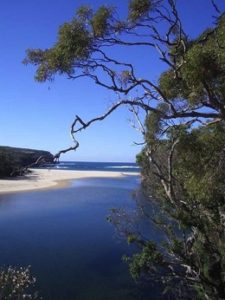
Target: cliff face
{"points": [[12, 159]]}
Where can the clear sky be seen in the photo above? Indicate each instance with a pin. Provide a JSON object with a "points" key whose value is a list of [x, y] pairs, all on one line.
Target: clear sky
{"points": [[35, 115]]}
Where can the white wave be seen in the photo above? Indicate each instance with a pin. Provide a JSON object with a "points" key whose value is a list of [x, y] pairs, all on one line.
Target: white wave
{"points": [[122, 167], [61, 167]]}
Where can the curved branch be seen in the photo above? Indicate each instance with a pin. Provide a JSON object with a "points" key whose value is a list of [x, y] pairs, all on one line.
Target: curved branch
{"points": [[134, 103], [111, 110], [72, 148]]}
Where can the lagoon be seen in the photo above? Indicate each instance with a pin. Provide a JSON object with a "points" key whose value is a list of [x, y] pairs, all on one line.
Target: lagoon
{"points": [[74, 252]]}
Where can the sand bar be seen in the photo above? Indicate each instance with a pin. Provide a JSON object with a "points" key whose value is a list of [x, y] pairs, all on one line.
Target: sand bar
{"points": [[50, 178]]}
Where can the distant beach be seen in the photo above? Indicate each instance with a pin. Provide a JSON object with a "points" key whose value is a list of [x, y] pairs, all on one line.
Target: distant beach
{"points": [[51, 178]]}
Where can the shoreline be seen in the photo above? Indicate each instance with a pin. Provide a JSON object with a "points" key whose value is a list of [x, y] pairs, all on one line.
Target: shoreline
{"points": [[41, 179]]}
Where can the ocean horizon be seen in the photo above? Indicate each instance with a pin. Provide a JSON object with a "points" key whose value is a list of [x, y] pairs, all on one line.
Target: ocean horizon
{"points": [[95, 166]]}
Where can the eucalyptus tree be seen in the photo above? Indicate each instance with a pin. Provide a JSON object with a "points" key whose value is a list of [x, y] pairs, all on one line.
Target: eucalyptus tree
{"points": [[83, 49], [182, 164]]}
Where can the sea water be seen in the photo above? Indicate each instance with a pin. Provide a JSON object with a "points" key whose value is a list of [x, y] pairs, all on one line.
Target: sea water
{"points": [[96, 166]]}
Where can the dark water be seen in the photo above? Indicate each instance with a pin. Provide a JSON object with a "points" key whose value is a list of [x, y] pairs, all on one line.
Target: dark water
{"points": [[65, 237]]}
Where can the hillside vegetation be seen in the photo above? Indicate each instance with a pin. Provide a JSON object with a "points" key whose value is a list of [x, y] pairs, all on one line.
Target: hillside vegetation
{"points": [[13, 159]]}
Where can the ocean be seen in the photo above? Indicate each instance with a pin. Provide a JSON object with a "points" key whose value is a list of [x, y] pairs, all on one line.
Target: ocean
{"points": [[96, 166]]}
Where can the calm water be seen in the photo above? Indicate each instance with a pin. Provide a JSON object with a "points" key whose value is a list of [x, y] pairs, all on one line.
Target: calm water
{"points": [[63, 234]]}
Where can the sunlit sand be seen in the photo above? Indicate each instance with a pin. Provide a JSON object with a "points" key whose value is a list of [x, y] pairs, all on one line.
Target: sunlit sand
{"points": [[48, 178]]}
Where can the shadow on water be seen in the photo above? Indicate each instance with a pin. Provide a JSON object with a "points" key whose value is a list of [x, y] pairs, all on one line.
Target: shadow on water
{"points": [[63, 234]]}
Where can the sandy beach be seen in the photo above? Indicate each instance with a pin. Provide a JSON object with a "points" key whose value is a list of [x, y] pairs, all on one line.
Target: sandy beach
{"points": [[48, 178]]}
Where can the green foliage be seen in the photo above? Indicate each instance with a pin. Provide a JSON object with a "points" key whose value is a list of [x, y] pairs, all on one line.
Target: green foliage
{"points": [[203, 148], [199, 207], [198, 166], [100, 21], [145, 261], [173, 88], [154, 123], [84, 13], [73, 41], [131, 238], [139, 9], [202, 69], [73, 46]]}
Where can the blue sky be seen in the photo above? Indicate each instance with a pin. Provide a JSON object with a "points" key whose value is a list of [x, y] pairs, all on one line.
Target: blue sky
{"points": [[38, 115]]}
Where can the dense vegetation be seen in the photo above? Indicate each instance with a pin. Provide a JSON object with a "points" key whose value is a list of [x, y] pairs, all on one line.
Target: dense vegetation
{"points": [[191, 209], [12, 160], [183, 160]]}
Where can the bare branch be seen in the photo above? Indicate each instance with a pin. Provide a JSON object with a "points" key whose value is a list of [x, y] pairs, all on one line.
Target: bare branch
{"points": [[141, 127], [216, 7], [72, 148], [170, 170]]}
